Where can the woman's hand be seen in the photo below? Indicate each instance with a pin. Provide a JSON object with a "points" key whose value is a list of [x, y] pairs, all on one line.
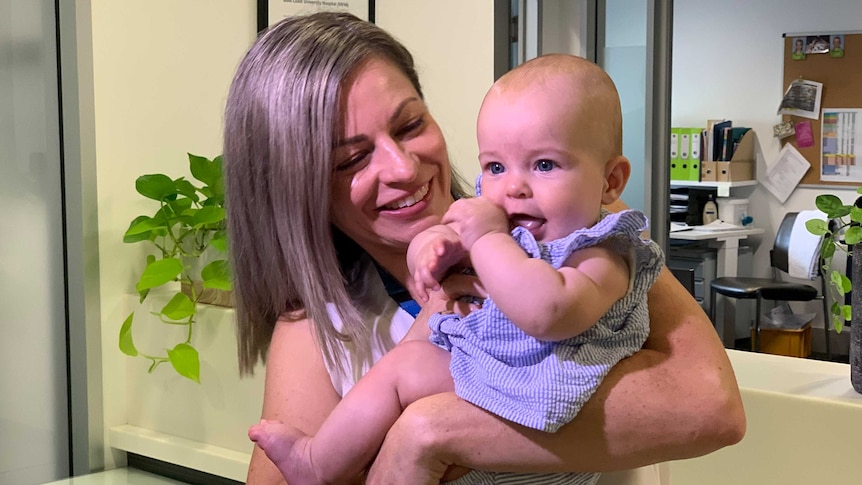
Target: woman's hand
{"points": [[463, 291], [458, 293]]}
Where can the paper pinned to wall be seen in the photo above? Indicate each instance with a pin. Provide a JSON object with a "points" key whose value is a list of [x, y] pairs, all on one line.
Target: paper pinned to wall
{"points": [[784, 174], [840, 134], [802, 98]]}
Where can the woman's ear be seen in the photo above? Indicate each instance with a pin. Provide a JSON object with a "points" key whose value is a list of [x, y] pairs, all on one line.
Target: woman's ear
{"points": [[617, 172]]}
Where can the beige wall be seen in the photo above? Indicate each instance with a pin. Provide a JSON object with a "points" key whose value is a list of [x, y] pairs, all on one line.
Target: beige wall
{"points": [[453, 43], [160, 74]]}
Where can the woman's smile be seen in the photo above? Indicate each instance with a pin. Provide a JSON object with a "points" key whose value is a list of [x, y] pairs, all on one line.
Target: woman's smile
{"points": [[410, 200]]}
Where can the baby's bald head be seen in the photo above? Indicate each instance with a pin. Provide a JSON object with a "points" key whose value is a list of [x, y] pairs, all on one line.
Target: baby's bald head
{"points": [[580, 85]]}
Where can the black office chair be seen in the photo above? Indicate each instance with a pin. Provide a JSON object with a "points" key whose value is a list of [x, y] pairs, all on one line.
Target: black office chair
{"points": [[773, 288]]}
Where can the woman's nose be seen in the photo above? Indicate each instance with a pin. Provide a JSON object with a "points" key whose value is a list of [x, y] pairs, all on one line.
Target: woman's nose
{"points": [[395, 163]]}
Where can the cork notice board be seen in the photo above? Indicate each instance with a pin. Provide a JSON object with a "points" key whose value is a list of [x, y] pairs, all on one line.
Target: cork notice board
{"points": [[842, 88]]}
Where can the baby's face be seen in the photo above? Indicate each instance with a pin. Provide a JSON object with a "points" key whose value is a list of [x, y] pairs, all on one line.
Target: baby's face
{"points": [[539, 161]]}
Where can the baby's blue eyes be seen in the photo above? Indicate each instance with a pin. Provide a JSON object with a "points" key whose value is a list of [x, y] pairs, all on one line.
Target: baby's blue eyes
{"points": [[544, 165], [496, 168]]}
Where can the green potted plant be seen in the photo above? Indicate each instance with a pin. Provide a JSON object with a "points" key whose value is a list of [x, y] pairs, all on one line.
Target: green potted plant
{"points": [[845, 235], [188, 224]]}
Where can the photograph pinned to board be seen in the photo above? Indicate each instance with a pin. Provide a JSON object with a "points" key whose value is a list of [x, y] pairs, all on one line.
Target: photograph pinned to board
{"points": [[798, 49], [784, 174], [840, 134], [817, 44], [272, 11], [836, 45], [783, 130], [802, 98]]}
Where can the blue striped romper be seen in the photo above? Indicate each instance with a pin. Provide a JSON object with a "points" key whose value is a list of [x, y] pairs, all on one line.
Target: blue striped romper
{"points": [[540, 384]]}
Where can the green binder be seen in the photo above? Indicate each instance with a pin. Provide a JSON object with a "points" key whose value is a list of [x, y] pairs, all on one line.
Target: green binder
{"points": [[693, 172], [677, 172]]}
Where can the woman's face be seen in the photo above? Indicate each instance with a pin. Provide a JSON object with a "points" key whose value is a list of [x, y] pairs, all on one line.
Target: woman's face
{"points": [[391, 176]]}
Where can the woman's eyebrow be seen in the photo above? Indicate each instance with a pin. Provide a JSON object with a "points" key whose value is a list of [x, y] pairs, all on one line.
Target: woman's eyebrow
{"points": [[400, 108], [392, 120], [351, 140]]}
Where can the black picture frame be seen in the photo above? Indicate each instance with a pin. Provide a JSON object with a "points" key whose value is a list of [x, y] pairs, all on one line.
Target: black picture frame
{"points": [[263, 20]]}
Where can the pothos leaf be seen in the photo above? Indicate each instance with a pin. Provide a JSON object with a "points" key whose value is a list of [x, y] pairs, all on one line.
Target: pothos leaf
{"points": [[159, 272], [186, 361], [818, 227], [847, 312], [838, 323], [216, 275], [180, 307], [219, 241], [156, 186], [853, 235], [126, 345]]}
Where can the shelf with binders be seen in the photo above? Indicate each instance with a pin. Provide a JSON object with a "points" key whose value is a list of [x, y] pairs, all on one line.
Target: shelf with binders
{"points": [[738, 171]]}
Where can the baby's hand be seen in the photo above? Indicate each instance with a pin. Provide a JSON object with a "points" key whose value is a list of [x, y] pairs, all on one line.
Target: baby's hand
{"points": [[430, 260], [474, 218]]}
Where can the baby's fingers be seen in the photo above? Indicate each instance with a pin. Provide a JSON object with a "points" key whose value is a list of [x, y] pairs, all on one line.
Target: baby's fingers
{"points": [[425, 281]]}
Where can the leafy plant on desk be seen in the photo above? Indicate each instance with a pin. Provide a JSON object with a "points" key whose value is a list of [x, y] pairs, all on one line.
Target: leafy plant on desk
{"points": [[190, 219], [842, 235]]}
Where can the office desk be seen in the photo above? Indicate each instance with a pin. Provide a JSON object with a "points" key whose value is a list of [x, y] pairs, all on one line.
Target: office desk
{"points": [[726, 244]]}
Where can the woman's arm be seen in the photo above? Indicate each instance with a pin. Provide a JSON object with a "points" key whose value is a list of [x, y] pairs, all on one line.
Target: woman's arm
{"points": [[677, 398], [297, 390]]}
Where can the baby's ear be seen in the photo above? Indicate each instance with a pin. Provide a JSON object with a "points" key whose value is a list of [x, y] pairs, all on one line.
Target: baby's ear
{"points": [[617, 172]]}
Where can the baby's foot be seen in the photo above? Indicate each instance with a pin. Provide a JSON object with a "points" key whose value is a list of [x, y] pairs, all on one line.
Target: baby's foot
{"points": [[288, 448]]}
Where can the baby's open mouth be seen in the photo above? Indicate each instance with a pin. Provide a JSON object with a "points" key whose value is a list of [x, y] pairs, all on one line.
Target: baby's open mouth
{"points": [[527, 222]]}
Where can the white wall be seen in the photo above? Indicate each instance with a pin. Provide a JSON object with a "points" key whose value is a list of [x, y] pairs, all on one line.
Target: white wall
{"points": [[728, 63]]}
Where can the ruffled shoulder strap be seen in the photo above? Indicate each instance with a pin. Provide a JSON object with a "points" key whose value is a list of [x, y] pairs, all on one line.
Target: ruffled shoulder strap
{"points": [[621, 229]]}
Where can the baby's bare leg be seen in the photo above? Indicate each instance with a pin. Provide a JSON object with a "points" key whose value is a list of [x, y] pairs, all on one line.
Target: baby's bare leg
{"points": [[349, 438], [288, 448]]}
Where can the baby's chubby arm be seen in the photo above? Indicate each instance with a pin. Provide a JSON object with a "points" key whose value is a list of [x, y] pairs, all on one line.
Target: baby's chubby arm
{"points": [[430, 256], [546, 303]]}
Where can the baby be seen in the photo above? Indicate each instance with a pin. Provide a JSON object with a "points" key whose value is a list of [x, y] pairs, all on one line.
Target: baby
{"points": [[567, 281]]}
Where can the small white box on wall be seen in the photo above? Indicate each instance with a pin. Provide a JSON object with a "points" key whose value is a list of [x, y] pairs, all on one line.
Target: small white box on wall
{"points": [[732, 211]]}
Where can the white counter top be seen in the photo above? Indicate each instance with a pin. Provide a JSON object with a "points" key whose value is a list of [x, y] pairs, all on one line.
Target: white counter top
{"points": [[804, 426], [801, 378]]}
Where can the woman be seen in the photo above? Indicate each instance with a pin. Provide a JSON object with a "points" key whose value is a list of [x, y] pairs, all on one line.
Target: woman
{"points": [[325, 122]]}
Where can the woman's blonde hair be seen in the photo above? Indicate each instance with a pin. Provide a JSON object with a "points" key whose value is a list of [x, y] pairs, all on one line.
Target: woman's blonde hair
{"points": [[282, 121]]}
